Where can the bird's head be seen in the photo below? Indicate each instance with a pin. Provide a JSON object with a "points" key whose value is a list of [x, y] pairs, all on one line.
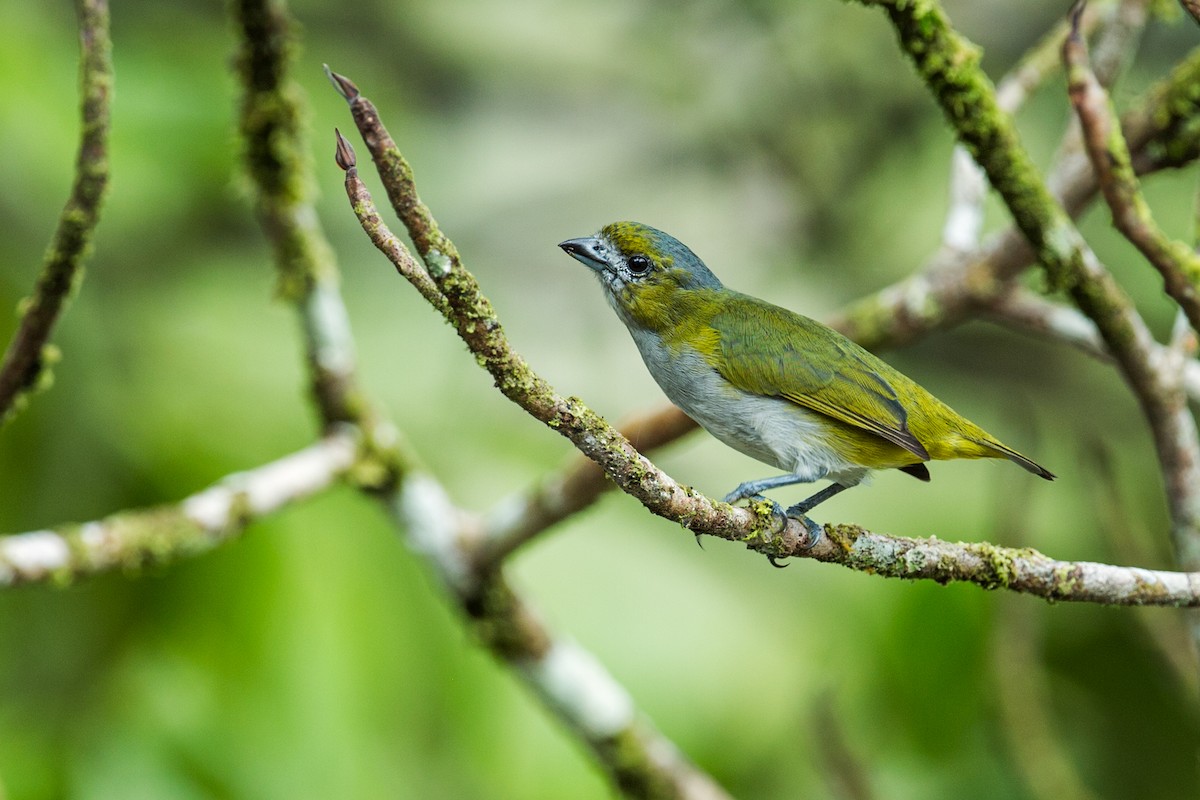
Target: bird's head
{"points": [[647, 274]]}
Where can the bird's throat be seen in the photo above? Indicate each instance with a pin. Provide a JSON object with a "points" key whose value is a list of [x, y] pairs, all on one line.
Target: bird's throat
{"points": [[679, 316]]}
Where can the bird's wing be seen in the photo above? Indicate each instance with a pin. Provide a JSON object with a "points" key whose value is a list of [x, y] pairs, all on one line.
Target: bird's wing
{"points": [[766, 350]]}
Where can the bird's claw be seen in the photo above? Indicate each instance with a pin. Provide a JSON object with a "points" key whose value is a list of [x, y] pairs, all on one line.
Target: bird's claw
{"points": [[815, 531]]}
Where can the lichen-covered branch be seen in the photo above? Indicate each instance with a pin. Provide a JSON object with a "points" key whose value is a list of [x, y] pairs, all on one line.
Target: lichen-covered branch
{"points": [[476, 322], [272, 127], [135, 539], [986, 565], [273, 132], [26, 363], [953, 285], [1017, 569], [1175, 261], [948, 64]]}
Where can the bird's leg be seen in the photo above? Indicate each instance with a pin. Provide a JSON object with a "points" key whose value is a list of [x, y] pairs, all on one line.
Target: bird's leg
{"points": [[801, 509], [808, 504], [754, 489]]}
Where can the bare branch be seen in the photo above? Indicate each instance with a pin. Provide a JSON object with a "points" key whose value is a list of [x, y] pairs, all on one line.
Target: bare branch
{"points": [[134, 539], [26, 364]]}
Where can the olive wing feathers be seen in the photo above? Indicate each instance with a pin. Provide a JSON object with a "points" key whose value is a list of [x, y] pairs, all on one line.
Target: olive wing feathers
{"points": [[768, 350]]}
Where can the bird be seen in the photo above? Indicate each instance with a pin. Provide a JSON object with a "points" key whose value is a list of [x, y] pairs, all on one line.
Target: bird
{"points": [[772, 384]]}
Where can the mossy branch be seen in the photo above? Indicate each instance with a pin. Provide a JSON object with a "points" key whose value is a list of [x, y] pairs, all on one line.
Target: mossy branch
{"points": [[949, 65], [26, 364], [134, 540], [273, 132], [1109, 153]]}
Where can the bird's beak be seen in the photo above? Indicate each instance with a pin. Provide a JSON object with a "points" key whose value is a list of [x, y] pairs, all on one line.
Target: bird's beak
{"points": [[588, 250]]}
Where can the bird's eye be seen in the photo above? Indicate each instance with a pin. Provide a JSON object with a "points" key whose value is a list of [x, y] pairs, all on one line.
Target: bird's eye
{"points": [[639, 265]]}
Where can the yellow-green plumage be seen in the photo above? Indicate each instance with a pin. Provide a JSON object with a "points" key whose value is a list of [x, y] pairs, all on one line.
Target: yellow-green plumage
{"points": [[771, 383]]}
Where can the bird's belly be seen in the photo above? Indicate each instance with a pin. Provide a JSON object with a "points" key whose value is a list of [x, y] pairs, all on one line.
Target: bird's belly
{"points": [[769, 429]]}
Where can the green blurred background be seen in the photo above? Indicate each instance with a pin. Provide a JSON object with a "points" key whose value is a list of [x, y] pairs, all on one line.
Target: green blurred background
{"points": [[792, 147]]}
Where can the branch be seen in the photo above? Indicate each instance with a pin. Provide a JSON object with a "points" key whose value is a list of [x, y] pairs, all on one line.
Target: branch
{"points": [[1109, 154], [272, 128], [1022, 570], [953, 285], [134, 539], [520, 518], [26, 364], [1022, 310], [986, 565], [273, 131], [949, 65]]}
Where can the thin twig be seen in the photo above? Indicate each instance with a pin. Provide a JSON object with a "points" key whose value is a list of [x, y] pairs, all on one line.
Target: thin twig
{"points": [[1175, 261], [135, 539], [26, 364], [1022, 310]]}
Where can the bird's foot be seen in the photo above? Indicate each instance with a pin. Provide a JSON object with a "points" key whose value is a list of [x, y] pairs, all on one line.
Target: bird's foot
{"points": [[815, 531], [750, 491]]}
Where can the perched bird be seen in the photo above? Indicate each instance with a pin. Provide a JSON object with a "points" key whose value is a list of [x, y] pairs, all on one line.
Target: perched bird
{"points": [[770, 383]]}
